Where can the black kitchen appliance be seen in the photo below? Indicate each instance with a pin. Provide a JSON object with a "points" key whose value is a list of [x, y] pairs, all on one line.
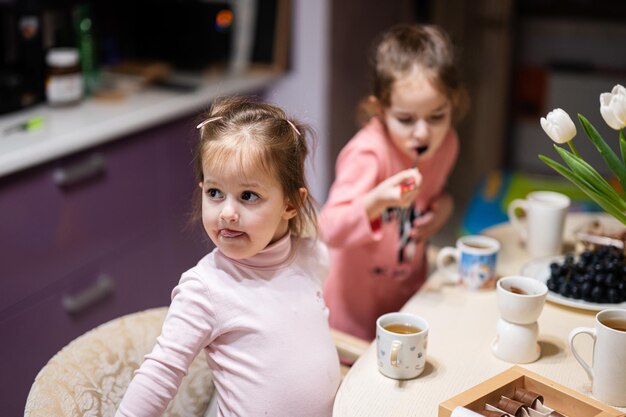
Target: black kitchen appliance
{"points": [[188, 34], [22, 66]]}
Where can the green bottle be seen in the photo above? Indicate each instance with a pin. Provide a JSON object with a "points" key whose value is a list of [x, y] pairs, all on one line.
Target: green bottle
{"points": [[84, 39]]}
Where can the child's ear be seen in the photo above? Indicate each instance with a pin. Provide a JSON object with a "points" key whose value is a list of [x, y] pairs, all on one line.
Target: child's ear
{"points": [[291, 210], [375, 104], [200, 185]]}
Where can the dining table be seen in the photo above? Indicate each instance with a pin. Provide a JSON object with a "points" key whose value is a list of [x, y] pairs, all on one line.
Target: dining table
{"points": [[462, 326]]}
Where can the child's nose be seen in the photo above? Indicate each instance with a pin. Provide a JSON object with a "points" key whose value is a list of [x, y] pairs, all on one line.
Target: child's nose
{"points": [[229, 212], [421, 129]]}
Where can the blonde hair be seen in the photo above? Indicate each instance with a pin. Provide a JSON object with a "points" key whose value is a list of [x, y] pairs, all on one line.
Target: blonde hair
{"points": [[258, 136], [405, 48]]}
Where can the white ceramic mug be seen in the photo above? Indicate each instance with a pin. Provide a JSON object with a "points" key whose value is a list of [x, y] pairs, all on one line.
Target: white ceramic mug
{"points": [[520, 302], [401, 342], [545, 217], [476, 257], [608, 370]]}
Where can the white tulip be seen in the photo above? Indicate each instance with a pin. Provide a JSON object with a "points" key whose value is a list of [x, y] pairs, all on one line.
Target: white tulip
{"points": [[559, 126], [613, 107]]}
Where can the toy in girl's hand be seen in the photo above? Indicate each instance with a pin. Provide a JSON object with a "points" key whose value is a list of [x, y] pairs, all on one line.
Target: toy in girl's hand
{"points": [[407, 186]]}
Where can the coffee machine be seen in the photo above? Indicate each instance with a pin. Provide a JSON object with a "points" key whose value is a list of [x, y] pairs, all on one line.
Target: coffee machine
{"points": [[22, 65]]}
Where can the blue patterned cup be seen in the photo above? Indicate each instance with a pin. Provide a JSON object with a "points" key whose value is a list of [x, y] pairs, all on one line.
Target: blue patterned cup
{"points": [[475, 256], [401, 342]]}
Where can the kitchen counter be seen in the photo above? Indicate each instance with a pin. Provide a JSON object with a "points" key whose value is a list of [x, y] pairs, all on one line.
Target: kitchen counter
{"points": [[92, 122]]}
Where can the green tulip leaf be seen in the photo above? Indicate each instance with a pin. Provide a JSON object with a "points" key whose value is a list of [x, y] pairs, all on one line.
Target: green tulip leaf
{"points": [[610, 158], [586, 172], [604, 202]]}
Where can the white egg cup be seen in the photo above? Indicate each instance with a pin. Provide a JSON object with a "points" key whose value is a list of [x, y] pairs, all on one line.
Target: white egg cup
{"points": [[517, 330]]}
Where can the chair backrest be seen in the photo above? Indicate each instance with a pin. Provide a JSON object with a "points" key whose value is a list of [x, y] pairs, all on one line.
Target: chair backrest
{"points": [[89, 376]]}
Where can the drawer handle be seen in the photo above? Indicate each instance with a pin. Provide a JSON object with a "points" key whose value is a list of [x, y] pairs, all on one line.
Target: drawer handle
{"points": [[64, 177], [73, 304]]}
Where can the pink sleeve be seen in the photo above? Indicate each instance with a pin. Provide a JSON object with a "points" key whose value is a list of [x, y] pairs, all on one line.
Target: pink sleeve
{"points": [[343, 220], [184, 334]]}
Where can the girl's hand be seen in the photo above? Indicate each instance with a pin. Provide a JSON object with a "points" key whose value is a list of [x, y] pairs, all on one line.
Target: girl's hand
{"points": [[399, 190], [432, 221]]}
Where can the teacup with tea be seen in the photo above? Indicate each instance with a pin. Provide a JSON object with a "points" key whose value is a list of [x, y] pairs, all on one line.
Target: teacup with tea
{"points": [[520, 302], [401, 342], [475, 256], [608, 365]]}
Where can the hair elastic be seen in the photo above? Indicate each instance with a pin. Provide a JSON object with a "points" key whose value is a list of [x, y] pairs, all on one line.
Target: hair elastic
{"points": [[293, 126], [209, 120]]}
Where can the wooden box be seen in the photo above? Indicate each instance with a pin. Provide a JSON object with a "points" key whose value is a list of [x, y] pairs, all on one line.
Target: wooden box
{"points": [[562, 399]]}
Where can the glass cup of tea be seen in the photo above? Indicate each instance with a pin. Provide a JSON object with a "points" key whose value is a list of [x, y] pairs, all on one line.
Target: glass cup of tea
{"points": [[401, 342]]}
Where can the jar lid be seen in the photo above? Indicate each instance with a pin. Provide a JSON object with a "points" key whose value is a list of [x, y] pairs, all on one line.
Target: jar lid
{"points": [[62, 57]]}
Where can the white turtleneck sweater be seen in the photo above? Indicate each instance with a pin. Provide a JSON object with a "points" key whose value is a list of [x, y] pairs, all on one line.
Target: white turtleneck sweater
{"points": [[263, 326]]}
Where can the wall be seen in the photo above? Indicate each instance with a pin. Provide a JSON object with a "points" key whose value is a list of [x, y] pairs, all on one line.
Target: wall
{"points": [[303, 93], [482, 30], [576, 59], [354, 29]]}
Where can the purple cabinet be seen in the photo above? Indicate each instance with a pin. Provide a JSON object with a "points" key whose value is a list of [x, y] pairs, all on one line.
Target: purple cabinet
{"points": [[48, 228], [88, 238]]}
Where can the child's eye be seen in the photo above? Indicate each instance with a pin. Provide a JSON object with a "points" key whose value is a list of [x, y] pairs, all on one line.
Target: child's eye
{"points": [[438, 117], [405, 120], [214, 193], [249, 196]]}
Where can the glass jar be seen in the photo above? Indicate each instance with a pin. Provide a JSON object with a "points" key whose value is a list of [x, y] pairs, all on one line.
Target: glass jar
{"points": [[64, 84]]}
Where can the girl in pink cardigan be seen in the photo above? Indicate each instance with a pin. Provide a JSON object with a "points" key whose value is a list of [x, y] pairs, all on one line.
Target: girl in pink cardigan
{"points": [[388, 195], [253, 307]]}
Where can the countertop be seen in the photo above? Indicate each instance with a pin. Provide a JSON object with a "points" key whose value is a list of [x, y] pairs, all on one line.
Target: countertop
{"points": [[92, 122]]}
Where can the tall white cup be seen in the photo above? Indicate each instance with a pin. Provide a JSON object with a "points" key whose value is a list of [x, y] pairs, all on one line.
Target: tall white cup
{"points": [[608, 370], [545, 217]]}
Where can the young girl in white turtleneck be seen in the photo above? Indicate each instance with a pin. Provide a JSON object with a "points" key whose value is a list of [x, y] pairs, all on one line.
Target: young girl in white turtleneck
{"points": [[254, 305]]}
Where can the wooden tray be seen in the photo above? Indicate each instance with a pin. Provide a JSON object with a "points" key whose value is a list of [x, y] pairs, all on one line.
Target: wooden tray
{"points": [[562, 399]]}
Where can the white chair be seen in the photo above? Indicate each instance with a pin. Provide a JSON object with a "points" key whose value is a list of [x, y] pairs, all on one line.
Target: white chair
{"points": [[89, 376]]}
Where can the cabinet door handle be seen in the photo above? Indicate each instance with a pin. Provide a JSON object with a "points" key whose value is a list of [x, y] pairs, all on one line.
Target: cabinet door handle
{"points": [[73, 304], [81, 171]]}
